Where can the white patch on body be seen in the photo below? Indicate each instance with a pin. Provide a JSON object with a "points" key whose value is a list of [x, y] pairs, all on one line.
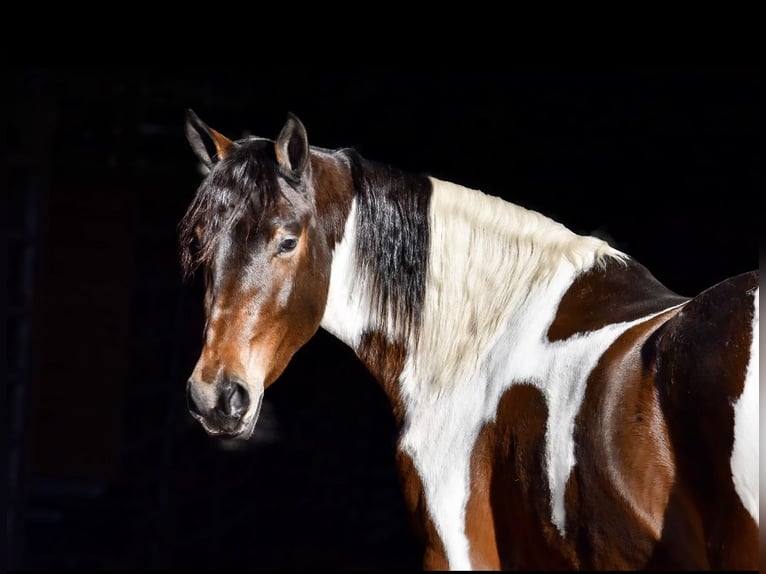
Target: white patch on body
{"points": [[744, 455]]}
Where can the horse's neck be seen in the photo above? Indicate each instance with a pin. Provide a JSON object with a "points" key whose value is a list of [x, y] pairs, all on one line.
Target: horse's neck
{"points": [[490, 264]]}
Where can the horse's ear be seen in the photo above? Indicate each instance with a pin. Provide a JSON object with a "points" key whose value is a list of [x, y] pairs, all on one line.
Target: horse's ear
{"points": [[195, 129], [292, 147]]}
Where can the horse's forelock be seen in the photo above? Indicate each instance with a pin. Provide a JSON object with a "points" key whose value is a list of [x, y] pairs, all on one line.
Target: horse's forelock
{"points": [[243, 183]]}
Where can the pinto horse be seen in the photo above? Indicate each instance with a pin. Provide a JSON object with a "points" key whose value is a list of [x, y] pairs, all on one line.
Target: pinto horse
{"points": [[557, 406]]}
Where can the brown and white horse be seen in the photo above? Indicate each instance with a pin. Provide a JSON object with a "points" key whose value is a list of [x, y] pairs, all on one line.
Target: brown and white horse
{"points": [[558, 407]]}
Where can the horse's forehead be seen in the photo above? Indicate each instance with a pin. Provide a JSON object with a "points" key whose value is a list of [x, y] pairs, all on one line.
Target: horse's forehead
{"points": [[251, 171]]}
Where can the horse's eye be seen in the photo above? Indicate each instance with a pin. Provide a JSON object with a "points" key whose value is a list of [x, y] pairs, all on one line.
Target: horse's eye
{"points": [[287, 245]]}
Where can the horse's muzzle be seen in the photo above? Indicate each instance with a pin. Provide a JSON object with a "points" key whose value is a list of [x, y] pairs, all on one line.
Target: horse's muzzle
{"points": [[224, 412]]}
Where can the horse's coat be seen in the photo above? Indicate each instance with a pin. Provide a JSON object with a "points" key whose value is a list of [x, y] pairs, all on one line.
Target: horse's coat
{"points": [[745, 449], [557, 405]]}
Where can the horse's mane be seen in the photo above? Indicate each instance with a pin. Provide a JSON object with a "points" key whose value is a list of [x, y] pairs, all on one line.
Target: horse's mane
{"points": [[392, 241], [225, 197]]}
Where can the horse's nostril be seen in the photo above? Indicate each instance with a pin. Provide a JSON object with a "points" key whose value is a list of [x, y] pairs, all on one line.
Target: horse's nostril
{"points": [[234, 399], [240, 399]]}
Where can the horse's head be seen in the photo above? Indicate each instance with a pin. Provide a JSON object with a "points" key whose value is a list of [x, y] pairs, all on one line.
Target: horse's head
{"points": [[253, 230]]}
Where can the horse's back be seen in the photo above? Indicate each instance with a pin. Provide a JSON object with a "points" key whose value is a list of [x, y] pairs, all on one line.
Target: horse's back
{"points": [[707, 377]]}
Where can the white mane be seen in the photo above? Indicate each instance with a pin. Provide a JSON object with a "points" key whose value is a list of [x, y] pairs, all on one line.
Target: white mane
{"points": [[487, 256]]}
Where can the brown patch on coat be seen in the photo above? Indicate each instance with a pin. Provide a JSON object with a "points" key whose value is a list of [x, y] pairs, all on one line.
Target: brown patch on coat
{"points": [[333, 177], [385, 361], [508, 512], [615, 292], [618, 492], [434, 556]]}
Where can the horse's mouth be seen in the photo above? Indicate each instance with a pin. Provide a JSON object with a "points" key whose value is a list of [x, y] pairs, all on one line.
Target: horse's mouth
{"points": [[242, 432]]}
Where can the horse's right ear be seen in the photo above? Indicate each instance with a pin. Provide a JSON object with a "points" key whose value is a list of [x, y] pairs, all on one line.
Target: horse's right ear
{"points": [[292, 147], [200, 136]]}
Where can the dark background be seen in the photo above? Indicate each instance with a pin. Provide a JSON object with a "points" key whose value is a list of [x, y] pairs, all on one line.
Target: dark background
{"points": [[106, 470]]}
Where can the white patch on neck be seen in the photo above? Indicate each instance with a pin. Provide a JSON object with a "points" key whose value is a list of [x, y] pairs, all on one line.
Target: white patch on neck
{"points": [[347, 312], [744, 455]]}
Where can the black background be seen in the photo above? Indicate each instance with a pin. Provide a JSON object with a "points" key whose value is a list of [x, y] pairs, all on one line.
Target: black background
{"points": [[106, 469]]}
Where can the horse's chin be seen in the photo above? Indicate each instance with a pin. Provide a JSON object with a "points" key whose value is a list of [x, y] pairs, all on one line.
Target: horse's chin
{"points": [[245, 431]]}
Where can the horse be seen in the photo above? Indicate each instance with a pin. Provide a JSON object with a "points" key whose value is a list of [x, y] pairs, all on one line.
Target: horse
{"points": [[557, 406]]}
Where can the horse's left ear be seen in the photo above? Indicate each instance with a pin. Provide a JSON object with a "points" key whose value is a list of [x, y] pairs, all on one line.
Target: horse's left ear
{"points": [[292, 147], [194, 129]]}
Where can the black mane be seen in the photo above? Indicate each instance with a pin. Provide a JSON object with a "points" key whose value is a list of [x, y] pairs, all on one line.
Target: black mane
{"points": [[392, 239]]}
